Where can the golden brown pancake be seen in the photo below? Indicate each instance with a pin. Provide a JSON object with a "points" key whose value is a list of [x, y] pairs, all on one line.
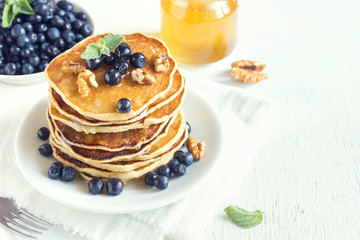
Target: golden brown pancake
{"points": [[101, 103]]}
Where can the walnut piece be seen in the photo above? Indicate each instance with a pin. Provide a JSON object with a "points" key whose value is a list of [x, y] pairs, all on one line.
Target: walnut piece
{"points": [[83, 87], [74, 67], [246, 71], [161, 62], [89, 76], [196, 148], [141, 76]]}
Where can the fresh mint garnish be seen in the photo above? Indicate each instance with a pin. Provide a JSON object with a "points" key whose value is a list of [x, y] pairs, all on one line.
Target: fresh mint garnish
{"points": [[103, 47], [243, 218], [13, 7]]}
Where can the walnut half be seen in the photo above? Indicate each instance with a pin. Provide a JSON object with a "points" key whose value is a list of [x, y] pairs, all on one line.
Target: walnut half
{"points": [[141, 76], [246, 71], [161, 62], [196, 148]]}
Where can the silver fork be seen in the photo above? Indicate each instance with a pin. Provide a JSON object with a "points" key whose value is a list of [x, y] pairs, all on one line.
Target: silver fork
{"points": [[19, 221]]}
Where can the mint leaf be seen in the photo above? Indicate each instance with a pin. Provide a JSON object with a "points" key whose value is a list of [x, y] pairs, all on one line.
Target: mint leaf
{"points": [[243, 218], [103, 47], [13, 7], [8, 16], [112, 41], [25, 7], [91, 52]]}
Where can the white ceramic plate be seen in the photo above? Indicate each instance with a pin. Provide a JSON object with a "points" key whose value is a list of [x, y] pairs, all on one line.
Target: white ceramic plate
{"points": [[136, 196]]}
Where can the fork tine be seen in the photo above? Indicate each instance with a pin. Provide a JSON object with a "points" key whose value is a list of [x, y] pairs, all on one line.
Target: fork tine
{"points": [[14, 230], [23, 211], [21, 226], [28, 222]]}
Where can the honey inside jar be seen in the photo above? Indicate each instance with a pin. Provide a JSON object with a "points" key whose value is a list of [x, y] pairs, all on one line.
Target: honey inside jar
{"points": [[199, 31]]}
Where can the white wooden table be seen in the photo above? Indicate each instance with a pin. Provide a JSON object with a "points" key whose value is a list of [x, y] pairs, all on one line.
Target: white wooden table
{"points": [[306, 175]]}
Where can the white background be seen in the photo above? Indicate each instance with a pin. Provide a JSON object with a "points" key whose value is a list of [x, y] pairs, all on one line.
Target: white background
{"points": [[306, 176]]}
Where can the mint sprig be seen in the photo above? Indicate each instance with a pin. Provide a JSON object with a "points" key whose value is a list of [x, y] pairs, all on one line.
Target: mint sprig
{"points": [[243, 218], [12, 8], [103, 47]]}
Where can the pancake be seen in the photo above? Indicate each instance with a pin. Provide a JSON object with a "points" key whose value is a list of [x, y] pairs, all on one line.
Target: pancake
{"points": [[101, 103], [70, 114], [96, 155]]}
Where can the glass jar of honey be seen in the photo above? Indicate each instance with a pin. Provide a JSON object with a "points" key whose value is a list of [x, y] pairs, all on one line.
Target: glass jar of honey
{"points": [[199, 31]]}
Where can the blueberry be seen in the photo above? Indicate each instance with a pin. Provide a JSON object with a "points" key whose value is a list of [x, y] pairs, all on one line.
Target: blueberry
{"points": [[150, 177], [68, 35], [80, 15], [70, 44], [34, 18], [17, 20], [41, 28], [53, 33], [43, 64], [164, 170], [96, 185], [186, 158], [23, 41], [68, 174], [2, 68], [27, 68], [55, 170], [57, 21], [17, 30], [112, 77], [161, 182], [46, 150], [48, 16], [69, 17], [172, 163], [59, 42], [10, 68], [27, 26], [78, 37], [9, 40], [76, 25], [179, 169], [44, 46], [114, 186], [14, 50], [65, 5], [93, 64], [188, 127], [122, 65], [34, 59], [41, 8], [52, 50], [33, 37], [137, 60], [178, 153], [123, 51], [109, 60], [60, 12], [25, 52], [67, 26], [86, 29], [123, 105], [40, 37], [43, 133]]}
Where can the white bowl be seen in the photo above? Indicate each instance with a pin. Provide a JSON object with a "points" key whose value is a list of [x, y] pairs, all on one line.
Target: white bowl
{"points": [[39, 76]]}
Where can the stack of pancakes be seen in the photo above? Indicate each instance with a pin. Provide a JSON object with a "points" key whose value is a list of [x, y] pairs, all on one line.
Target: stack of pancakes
{"points": [[89, 134]]}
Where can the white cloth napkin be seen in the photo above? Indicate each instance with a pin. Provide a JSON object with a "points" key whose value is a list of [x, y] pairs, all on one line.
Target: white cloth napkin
{"points": [[245, 118]]}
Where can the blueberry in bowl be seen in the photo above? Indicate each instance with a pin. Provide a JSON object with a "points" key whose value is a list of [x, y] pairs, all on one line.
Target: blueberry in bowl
{"points": [[30, 41]]}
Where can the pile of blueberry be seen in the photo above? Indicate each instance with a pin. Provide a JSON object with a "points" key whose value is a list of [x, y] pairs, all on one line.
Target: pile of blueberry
{"points": [[177, 166], [32, 41], [57, 169], [120, 60]]}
